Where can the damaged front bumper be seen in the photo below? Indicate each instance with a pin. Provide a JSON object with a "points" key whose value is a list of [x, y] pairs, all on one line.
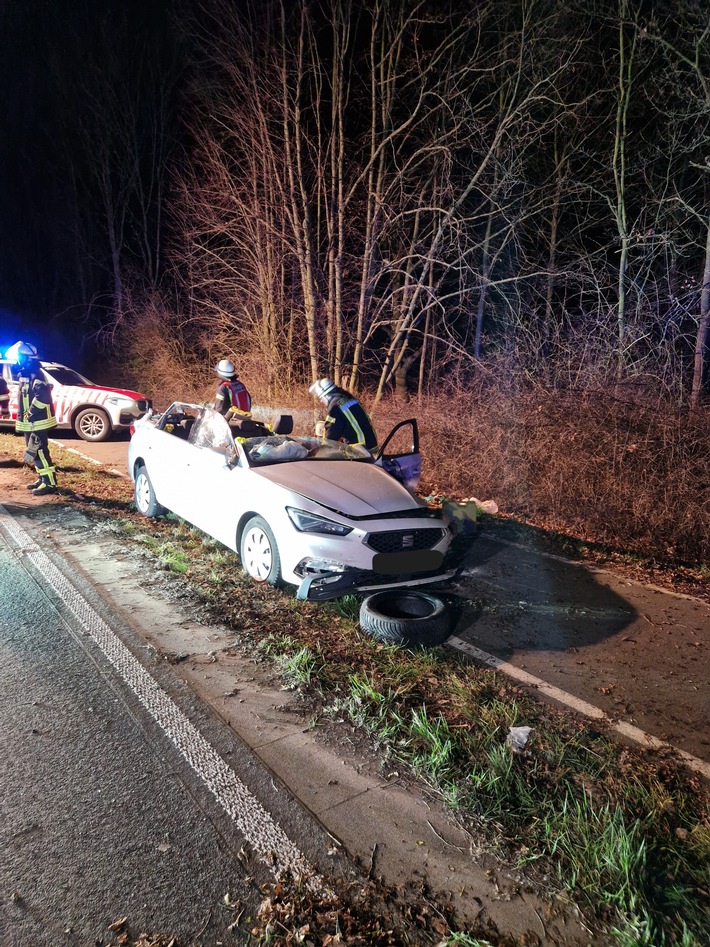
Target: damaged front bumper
{"points": [[324, 581]]}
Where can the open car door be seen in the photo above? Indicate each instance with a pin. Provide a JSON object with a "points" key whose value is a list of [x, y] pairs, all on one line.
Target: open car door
{"points": [[399, 454]]}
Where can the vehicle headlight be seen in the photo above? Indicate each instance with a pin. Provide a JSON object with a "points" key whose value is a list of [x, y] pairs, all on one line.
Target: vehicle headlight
{"points": [[310, 523], [120, 400]]}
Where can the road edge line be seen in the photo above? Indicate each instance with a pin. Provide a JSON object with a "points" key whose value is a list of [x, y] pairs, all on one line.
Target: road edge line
{"points": [[624, 729]]}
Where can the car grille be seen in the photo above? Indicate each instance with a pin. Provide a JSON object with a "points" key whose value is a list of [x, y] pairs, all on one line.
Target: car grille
{"points": [[370, 578], [404, 540]]}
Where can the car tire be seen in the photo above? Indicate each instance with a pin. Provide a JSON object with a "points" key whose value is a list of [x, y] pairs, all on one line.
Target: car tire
{"points": [[405, 617], [92, 424], [144, 495], [259, 552]]}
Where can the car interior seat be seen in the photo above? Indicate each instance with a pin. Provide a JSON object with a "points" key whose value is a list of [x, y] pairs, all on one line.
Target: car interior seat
{"points": [[248, 427], [283, 424]]}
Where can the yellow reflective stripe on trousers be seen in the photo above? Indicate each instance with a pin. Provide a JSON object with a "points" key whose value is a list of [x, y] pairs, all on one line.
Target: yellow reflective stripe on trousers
{"points": [[45, 469]]}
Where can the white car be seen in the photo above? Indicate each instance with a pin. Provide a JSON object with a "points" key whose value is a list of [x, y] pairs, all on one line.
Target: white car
{"points": [[321, 515], [93, 411]]}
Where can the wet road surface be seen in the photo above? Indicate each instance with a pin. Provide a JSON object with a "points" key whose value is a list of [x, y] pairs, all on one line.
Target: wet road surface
{"points": [[101, 815], [640, 654]]}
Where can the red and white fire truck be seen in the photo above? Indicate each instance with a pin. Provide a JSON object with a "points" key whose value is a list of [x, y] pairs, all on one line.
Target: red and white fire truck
{"points": [[93, 411]]}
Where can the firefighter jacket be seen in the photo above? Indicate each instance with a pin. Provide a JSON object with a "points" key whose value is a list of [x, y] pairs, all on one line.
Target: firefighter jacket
{"points": [[232, 394], [35, 409], [348, 421]]}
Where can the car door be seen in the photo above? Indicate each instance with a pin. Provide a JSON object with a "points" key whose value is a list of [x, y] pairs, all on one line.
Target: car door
{"points": [[400, 456], [167, 460], [218, 481]]}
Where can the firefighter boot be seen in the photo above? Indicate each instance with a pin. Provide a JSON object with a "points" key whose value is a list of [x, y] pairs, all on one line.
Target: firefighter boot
{"points": [[33, 486], [45, 488]]}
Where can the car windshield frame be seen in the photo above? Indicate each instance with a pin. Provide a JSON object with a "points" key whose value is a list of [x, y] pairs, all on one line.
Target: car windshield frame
{"points": [[209, 431], [289, 448]]}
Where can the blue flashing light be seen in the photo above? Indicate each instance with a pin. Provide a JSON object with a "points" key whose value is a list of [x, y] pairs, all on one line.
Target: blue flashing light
{"points": [[11, 353]]}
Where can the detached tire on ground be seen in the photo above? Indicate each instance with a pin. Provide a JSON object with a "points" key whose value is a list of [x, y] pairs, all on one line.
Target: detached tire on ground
{"points": [[405, 617]]}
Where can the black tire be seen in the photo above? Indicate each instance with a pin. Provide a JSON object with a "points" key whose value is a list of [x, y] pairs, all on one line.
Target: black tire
{"points": [[92, 424], [259, 552], [405, 617], [144, 495]]}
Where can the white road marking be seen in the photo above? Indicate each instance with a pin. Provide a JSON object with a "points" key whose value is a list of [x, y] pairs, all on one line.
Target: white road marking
{"points": [[266, 837], [581, 706], [92, 460], [72, 450]]}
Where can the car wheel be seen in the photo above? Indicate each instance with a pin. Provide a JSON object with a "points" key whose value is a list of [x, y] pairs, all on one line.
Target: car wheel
{"points": [[259, 552], [92, 424], [144, 495], [405, 617]]}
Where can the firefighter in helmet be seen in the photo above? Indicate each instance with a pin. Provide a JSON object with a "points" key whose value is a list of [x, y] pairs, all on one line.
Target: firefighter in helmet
{"points": [[232, 396], [35, 418], [346, 418]]}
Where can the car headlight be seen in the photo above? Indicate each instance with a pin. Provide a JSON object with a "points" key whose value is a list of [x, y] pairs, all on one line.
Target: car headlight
{"points": [[310, 523], [119, 400]]}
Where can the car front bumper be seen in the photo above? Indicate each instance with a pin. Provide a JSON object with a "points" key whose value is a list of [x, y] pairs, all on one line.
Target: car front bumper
{"points": [[323, 586]]}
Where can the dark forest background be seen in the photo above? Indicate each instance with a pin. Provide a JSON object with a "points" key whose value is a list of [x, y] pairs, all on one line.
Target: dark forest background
{"points": [[498, 204]]}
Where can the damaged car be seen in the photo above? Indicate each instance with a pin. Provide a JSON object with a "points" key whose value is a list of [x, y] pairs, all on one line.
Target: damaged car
{"points": [[327, 517]]}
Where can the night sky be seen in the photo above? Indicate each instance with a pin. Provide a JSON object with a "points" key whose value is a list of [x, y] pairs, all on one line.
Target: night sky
{"points": [[62, 63]]}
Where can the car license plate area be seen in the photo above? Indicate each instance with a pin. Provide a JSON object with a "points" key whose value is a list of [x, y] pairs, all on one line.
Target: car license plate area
{"points": [[402, 563]]}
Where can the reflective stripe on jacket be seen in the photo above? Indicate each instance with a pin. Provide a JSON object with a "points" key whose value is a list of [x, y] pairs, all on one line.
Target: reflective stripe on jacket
{"points": [[348, 421], [35, 408]]}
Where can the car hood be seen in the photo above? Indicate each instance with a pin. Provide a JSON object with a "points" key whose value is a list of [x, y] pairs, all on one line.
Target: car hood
{"points": [[354, 489]]}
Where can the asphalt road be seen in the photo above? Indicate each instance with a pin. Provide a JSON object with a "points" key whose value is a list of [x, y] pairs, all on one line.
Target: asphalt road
{"points": [[639, 654], [112, 453], [117, 798]]}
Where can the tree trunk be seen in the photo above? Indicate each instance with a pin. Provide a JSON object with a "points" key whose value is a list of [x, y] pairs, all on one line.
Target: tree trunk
{"points": [[703, 336]]}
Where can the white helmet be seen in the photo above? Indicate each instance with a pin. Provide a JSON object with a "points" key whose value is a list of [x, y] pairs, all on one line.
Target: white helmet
{"points": [[225, 369], [21, 352], [323, 389]]}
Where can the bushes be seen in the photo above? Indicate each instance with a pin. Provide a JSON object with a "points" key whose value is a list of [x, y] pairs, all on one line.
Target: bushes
{"points": [[627, 473]]}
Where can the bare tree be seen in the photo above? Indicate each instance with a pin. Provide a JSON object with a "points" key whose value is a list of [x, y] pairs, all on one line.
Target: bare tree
{"points": [[374, 183], [684, 39]]}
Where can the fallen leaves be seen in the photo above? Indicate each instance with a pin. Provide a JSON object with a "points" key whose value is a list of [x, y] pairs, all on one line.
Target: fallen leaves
{"points": [[124, 938]]}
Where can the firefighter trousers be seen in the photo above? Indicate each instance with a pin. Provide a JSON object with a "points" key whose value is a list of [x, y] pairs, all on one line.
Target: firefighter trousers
{"points": [[46, 471]]}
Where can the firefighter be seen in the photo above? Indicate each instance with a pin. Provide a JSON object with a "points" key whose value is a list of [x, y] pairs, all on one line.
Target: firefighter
{"points": [[347, 420], [232, 396], [4, 399], [35, 418]]}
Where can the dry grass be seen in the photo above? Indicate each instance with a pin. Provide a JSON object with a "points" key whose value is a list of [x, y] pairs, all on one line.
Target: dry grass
{"points": [[629, 475], [628, 470]]}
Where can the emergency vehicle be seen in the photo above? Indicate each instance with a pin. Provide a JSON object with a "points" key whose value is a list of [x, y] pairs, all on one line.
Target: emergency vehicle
{"points": [[93, 411]]}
